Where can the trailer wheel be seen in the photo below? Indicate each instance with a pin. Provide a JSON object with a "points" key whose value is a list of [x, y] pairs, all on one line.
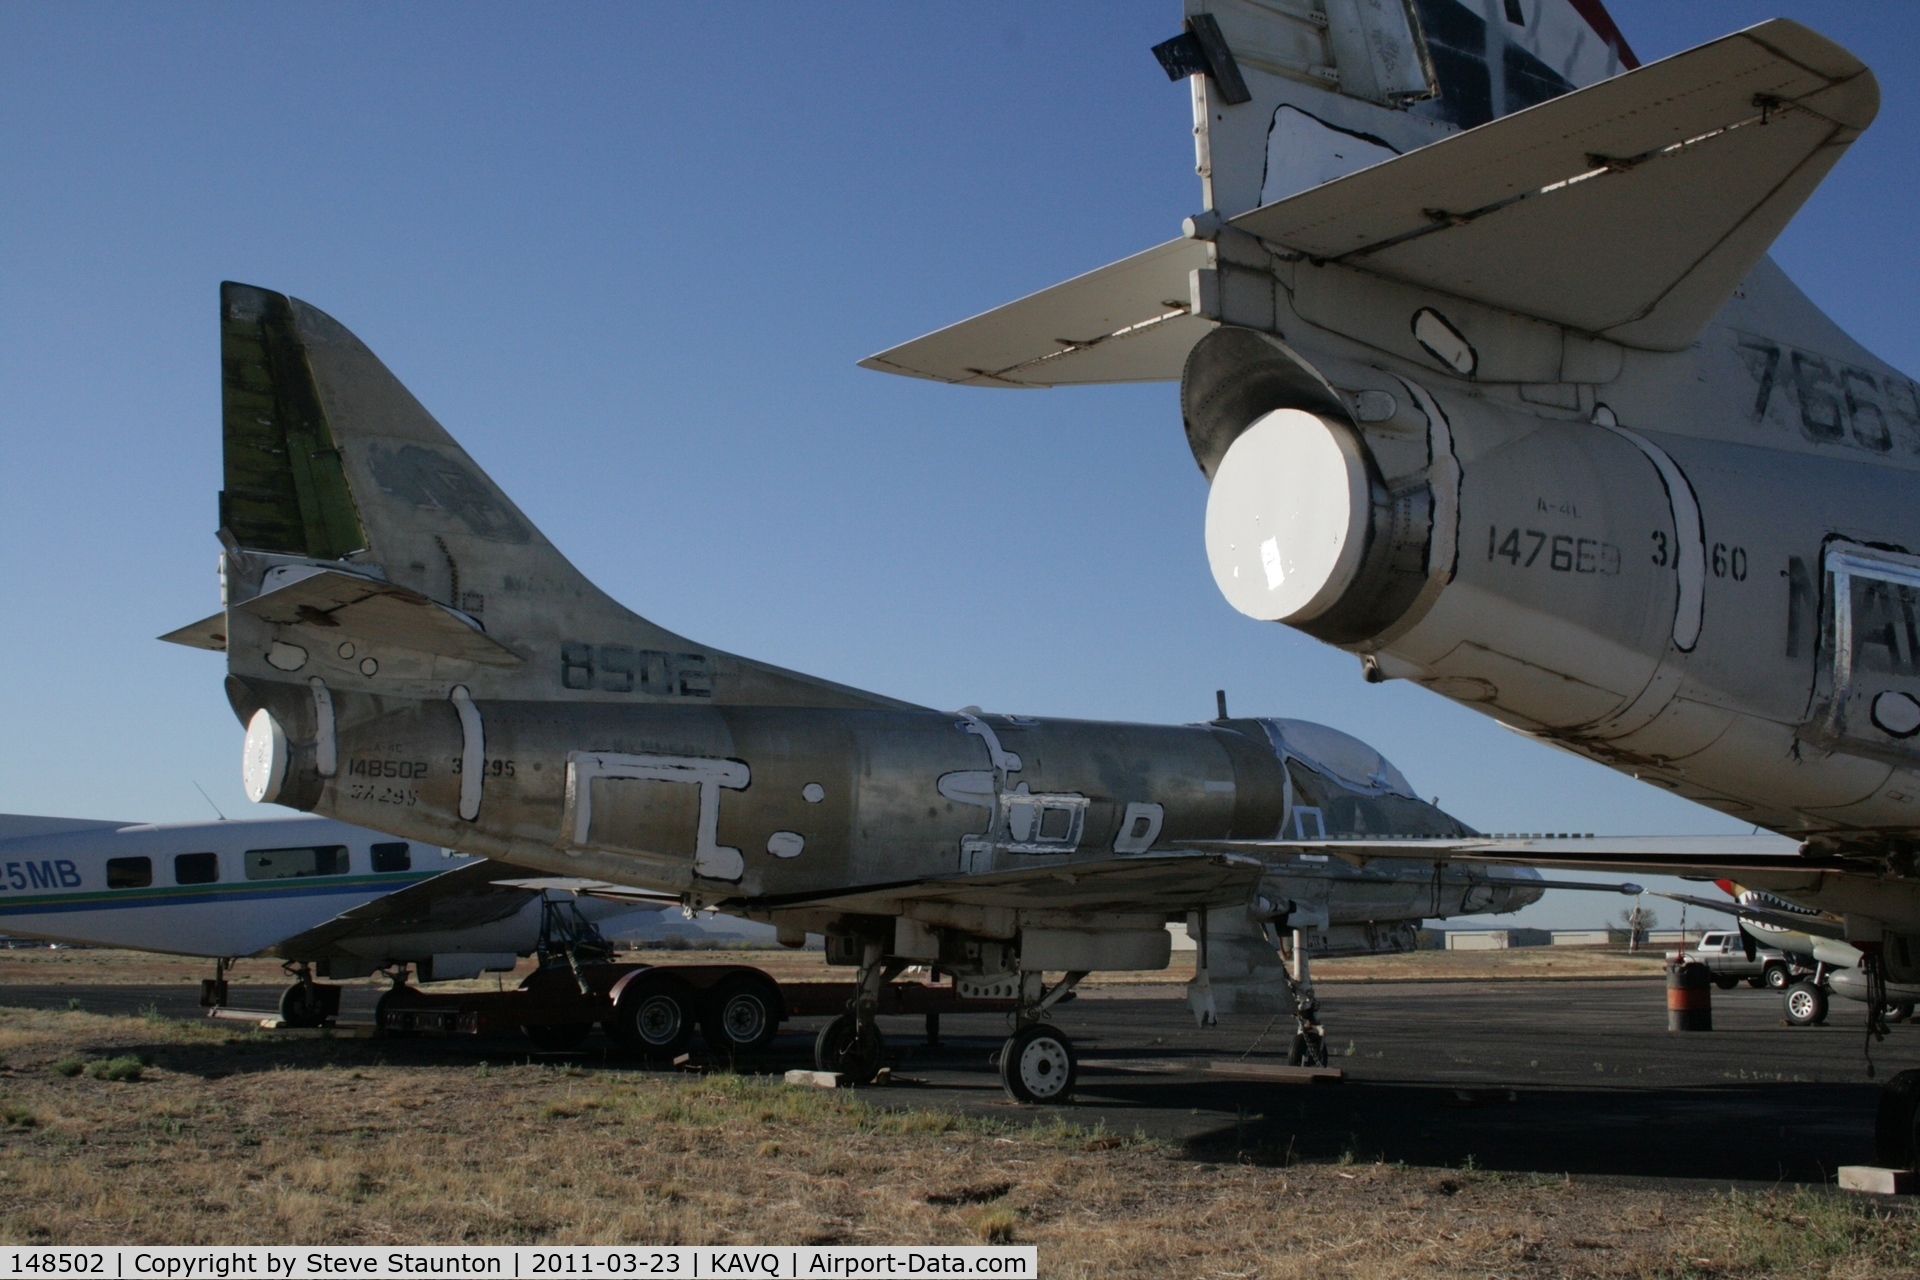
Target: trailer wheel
{"points": [[303, 1005], [742, 1014], [559, 1036], [1806, 1005], [850, 1049], [655, 1017]]}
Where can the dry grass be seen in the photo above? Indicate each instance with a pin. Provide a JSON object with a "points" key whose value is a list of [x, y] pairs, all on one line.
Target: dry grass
{"points": [[237, 1138]]}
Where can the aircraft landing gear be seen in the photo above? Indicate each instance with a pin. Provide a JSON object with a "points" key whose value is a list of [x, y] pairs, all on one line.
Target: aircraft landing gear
{"points": [[1806, 1004], [1038, 1063], [213, 991], [1309, 1037], [308, 1003], [852, 1044]]}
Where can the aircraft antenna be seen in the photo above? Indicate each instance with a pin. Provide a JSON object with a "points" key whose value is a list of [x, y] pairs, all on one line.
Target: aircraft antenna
{"points": [[209, 799], [1220, 703]]}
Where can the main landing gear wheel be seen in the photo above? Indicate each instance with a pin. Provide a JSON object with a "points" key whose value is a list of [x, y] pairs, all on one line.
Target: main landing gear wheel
{"points": [[742, 1015], [303, 1005], [1038, 1064], [655, 1018], [1806, 1005], [850, 1049]]}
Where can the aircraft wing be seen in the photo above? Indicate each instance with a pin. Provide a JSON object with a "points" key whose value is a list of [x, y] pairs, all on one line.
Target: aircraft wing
{"points": [[1135, 884], [1630, 208], [1761, 861], [474, 893], [1126, 322]]}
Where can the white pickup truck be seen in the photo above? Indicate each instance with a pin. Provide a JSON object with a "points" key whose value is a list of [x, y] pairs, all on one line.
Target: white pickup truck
{"points": [[1726, 955]]}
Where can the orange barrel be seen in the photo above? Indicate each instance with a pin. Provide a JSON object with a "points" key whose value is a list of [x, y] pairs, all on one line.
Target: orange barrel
{"points": [[1689, 997]]}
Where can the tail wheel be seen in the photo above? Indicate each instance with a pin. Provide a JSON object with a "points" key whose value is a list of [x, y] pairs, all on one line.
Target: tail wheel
{"points": [[1806, 1005], [1038, 1065], [850, 1049], [655, 1018], [742, 1015]]}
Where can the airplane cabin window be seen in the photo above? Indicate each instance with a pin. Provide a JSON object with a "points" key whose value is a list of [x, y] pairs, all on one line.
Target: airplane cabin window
{"points": [[196, 868], [288, 864], [392, 857], [129, 873]]}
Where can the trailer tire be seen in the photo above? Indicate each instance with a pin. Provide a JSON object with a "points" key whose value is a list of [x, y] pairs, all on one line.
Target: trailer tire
{"points": [[655, 1017], [303, 1005], [742, 1014], [558, 1037]]}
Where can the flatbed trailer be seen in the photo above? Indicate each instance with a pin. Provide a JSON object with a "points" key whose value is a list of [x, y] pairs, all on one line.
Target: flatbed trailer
{"points": [[653, 1010]]}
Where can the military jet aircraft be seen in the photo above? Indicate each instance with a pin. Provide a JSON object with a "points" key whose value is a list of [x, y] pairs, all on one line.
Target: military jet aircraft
{"points": [[327, 899], [409, 653], [1496, 388]]}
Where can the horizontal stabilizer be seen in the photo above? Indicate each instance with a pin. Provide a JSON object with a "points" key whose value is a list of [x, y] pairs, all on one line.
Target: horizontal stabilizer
{"points": [[472, 894], [1630, 208], [1126, 322], [373, 611]]}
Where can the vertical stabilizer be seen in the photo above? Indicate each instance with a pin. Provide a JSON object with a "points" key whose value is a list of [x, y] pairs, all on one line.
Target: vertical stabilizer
{"points": [[1306, 91]]}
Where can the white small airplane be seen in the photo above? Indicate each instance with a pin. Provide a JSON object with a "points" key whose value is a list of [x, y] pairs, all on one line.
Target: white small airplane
{"points": [[326, 898]]}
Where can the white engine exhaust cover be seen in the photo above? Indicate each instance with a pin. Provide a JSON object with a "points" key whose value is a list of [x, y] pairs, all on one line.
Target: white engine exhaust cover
{"points": [[1287, 516], [263, 761]]}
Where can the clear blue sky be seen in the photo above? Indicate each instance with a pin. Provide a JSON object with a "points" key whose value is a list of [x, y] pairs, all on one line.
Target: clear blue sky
{"points": [[629, 254]]}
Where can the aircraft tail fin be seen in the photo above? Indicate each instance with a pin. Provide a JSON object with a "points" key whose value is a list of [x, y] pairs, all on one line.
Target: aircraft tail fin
{"points": [[1286, 98], [365, 548], [1629, 210]]}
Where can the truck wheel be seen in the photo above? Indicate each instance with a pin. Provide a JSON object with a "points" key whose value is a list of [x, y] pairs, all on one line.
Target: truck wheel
{"points": [[1806, 1005], [742, 1014], [1038, 1065], [1894, 1138], [655, 1018], [1776, 976], [844, 1046], [1725, 981], [558, 1037]]}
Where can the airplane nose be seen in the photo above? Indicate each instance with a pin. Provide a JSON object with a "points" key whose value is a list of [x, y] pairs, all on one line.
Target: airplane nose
{"points": [[1287, 516]]}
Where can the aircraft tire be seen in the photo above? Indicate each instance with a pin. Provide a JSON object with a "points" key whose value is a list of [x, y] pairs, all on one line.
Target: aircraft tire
{"points": [[1038, 1064], [301, 1005], [843, 1046], [1896, 1144], [1806, 1005], [1777, 977], [742, 1014], [558, 1037], [655, 1018]]}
